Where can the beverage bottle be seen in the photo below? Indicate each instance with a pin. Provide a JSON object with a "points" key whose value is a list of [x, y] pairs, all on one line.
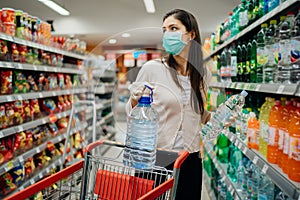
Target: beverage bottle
{"points": [[253, 61], [230, 25], [266, 6], [219, 68], [276, 47], [295, 50], [235, 156], [284, 63], [253, 132], [256, 10], [235, 21], [264, 121], [228, 65], [243, 15], [273, 4], [273, 139], [250, 9], [240, 175], [261, 54], [291, 107], [248, 62], [212, 42], [269, 67], [294, 155], [223, 62], [233, 62], [266, 188], [261, 8], [244, 62], [282, 196], [222, 148], [141, 137], [241, 124], [239, 63]]}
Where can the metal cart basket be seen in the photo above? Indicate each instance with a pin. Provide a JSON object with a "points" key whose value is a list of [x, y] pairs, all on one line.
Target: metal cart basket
{"points": [[102, 176]]}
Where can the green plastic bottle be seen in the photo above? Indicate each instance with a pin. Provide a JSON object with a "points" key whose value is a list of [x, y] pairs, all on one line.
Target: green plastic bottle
{"points": [[253, 61], [243, 15], [239, 63], [223, 148], [234, 67], [245, 64]]}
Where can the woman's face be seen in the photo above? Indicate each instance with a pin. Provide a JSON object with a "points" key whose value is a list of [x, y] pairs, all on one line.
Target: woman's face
{"points": [[172, 24]]}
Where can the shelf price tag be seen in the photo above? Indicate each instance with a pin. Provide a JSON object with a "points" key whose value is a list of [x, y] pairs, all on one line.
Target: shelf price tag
{"points": [[10, 165], [245, 150], [265, 168], [223, 179], [240, 145], [21, 159], [9, 98], [41, 95], [20, 128], [19, 97], [236, 197], [257, 88], [1, 134], [280, 89], [255, 159], [31, 181], [34, 67]]}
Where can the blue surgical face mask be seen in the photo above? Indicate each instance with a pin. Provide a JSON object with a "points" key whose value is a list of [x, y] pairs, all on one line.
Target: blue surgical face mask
{"points": [[172, 42]]}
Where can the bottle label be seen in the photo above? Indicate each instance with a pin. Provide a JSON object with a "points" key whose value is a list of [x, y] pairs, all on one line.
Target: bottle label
{"points": [[294, 148], [284, 54], [270, 54], [286, 143], [252, 135], [262, 196], [243, 18], [295, 50], [276, 52], [223, 71], [272, 136], [264, 131], [261, 56], [233, 66], [281, 139]]}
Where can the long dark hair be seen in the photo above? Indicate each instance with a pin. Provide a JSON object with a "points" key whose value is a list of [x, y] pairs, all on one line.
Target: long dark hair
{"points": [[195, 59]]}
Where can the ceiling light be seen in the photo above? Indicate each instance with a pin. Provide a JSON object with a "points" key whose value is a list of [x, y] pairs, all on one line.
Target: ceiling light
{"points": [[126, 35], [112, 41], [54, 6], [149, 4]]}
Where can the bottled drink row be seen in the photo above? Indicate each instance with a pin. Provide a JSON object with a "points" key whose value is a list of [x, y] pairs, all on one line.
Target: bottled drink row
{"points": [[247, 12], [271, 56], [269, 126], [248, 178]]}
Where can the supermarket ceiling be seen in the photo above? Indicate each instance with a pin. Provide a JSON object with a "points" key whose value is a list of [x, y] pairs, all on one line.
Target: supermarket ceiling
{"points": [[97, 21]]}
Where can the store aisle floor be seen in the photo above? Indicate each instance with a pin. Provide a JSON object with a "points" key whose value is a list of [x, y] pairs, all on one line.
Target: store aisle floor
{"points": [[120, 137]]}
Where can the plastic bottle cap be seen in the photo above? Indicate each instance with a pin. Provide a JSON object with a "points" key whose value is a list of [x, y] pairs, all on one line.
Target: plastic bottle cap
{"points": [[252, 115], [288, 102], [273, 22], [282, 18], [277, 102], [264, 25], [244, 93], [290, 13]]}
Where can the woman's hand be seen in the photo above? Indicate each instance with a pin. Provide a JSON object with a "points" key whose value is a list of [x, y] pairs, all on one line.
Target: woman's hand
{"points": [[136, 92]]}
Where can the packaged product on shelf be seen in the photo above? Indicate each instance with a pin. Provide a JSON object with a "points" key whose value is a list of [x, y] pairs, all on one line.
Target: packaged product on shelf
{"points": [[29, 168], [53, 129], [50, 150], [295, 50], [14, 52], [29, 139], [62, 123], [52, 79], [8, 21], [41, 160], [6, 81], [253, 132], [6, 149], [68, 81], [23, 53], [3, 50], [18, 174], [43, 83], [34, 28], [35, 108], [67, 102], [32, 83], [19, 112], [7, 185], [19, 25], [21, 85], [49, 106], [2, 117], [61, 105], [10, 114], [19, 143], [61, 81]]}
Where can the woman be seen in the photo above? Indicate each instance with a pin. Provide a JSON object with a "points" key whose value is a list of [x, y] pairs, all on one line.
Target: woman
{"points": [[179, 96]]}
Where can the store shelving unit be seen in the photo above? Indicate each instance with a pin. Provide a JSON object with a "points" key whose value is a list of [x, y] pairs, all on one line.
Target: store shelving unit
{"points": [[206, 180], [291, 188], [62, 134], [287, 5]]}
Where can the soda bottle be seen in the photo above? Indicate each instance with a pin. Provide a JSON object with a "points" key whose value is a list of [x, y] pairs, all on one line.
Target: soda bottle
{"points": [[245, 63], [248, 61], [212, 42], [276, 47], [223, 62], [272, 4], [253, 61], [266, 188], [250, 9], [256, 10], [253, 132], [294, 150], [261, 54], [243, 15], [228, 65], [233, 61], [264, 121], [284, 63], [141, 137], [269, 67], [274, 120], [239, 63], [219, 68], [222, 152], [295, 50]]}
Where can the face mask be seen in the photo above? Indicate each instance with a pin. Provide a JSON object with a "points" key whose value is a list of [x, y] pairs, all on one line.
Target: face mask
{"points": [[172, 42]]}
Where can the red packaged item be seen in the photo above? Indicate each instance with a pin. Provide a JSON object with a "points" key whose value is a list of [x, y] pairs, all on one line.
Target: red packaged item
{"points": [[19, 112], [8, 15], [10, 114], [3, 50], [23, 53], [35, 108], [6, 152], [19, 143], [29, 139], [6, 184], [49, 106], [67, 102], [2, 117], [29, 167], [50, 150], [62, 123], [61, 105], [43, 84], [6, 82], [15, 56], [27, 111], [9, 28]]}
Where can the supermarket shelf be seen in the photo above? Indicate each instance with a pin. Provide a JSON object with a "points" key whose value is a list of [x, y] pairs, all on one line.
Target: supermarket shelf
{"points": [[105, 88], [274, 88], [267, 17], [104, 73], [35, 123], [30, 153], [44, 68], [104, 120], [291, 188], [206, 180], [222, 171], [42, 47], [35, 95], [44, 172]]}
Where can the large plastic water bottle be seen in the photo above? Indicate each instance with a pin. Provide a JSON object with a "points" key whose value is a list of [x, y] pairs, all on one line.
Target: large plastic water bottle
{"points": [[224, 115], [295, 51], [141, 138]]}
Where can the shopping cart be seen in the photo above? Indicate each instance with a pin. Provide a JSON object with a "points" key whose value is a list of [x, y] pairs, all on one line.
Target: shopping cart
{"points": [[102, 176]]}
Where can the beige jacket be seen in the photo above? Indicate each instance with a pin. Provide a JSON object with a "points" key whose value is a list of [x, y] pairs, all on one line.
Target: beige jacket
{"points": [[167, 101]]}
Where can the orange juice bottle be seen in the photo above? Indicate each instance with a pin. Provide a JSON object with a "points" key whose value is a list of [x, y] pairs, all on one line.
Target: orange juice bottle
{"points": [[273, 135], [283, 143], [294, 151], [286, 143], [253, 131]]}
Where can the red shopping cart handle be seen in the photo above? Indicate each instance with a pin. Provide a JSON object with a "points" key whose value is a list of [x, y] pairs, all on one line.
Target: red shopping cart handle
{"points": [[182, 156]]}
